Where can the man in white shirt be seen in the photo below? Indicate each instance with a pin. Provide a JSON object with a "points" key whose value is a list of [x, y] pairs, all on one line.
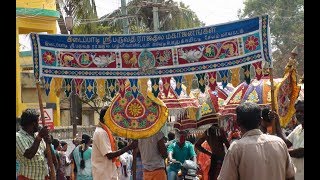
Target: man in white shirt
{"points": [[256, 155], [104, 153], [126, 162], [295, 141]]}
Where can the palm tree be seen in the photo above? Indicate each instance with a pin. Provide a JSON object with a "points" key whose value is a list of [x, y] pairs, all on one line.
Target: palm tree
{"points": [[82, 11]]}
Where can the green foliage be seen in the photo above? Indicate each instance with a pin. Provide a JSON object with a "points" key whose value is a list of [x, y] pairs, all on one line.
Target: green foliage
{"points": [[286, 28], [172, 16], [83, 11]]}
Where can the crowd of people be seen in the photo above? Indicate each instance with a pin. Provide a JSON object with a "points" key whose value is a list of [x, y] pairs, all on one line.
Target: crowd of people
{"points": [[250, 152]]}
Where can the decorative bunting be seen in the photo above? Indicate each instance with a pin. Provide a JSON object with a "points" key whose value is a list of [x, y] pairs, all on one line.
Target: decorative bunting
{"points": [[134, 87], [143, 86], [155, 86], [57, 85], [246, 72], [224, 74], [215, 48], [47, 82], [101, 88], [89, 88], [111, 85], [201, 81], [178, 88], [68, 85], [122, 87], [197, 50], [235, 77], [188, 78], [258, 69], [78, 85], [212, 78], [166, 85]]}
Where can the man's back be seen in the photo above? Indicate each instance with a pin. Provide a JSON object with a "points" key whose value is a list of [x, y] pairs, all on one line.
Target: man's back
{"points": [[257, 156], [150, 155]]}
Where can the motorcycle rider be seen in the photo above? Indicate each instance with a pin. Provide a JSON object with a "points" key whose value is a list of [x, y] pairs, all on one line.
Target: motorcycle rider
{"points": [[179, 151]]}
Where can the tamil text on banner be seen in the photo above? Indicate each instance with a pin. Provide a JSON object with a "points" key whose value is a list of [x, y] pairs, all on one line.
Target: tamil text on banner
{"points": [[152, 55]]}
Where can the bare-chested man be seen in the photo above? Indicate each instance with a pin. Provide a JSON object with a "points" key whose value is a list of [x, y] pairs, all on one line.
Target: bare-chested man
{"points": [[216, 137]]}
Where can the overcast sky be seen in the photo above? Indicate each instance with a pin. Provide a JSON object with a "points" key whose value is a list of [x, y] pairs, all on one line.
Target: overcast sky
{"points": [[209, 11]]}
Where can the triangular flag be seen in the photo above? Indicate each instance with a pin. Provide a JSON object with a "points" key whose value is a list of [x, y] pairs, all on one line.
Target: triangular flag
{"points": [[57, 85], [101, 88], [212, 79], [166, 85], [155, 86], [188, 78], [143, 86], [258, 69], [68, 85], [89, 83], [78, 85], [122, 87], [235, 77], [246, 72], [47, 82], [134, 87], [201, 82], [224, 77], [178, 88], [111, 84]]}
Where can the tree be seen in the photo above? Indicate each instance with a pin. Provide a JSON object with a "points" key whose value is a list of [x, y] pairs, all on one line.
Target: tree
{"points": [[286, 28], [172, 16], [83, 12]]}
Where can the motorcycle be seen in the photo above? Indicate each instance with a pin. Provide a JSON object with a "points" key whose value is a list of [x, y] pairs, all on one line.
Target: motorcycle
{"points": [[188, 170]]}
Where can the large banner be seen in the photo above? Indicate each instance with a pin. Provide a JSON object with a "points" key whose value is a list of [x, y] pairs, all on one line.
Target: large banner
{"points": [[133, 56]]}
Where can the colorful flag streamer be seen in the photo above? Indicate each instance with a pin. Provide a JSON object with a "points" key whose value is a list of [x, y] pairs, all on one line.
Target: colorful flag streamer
{"points": [[155, 86], [89, 88], [57, 85], [68, 85], [188, 78], [235, 77], [134, 87], [101, 88], [143, 86], [122, 87], [212, 78], [201, 82], [246, 72], [111, 84], [178, 88], [166, 85], [47, 82], [78, 85], [258, 69], [224, 74]]}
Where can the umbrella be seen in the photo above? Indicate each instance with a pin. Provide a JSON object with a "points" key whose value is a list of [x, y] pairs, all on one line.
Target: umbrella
{"points": [[210, 102], [175, 101], [136, 118], [258, 91]]}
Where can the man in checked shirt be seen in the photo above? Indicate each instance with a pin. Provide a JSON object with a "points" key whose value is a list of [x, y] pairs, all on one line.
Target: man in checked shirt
{"points": [[30, 147]]}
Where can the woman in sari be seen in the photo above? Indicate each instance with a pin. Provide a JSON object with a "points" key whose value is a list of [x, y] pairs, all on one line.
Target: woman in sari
{"points": [[82, 159]]}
